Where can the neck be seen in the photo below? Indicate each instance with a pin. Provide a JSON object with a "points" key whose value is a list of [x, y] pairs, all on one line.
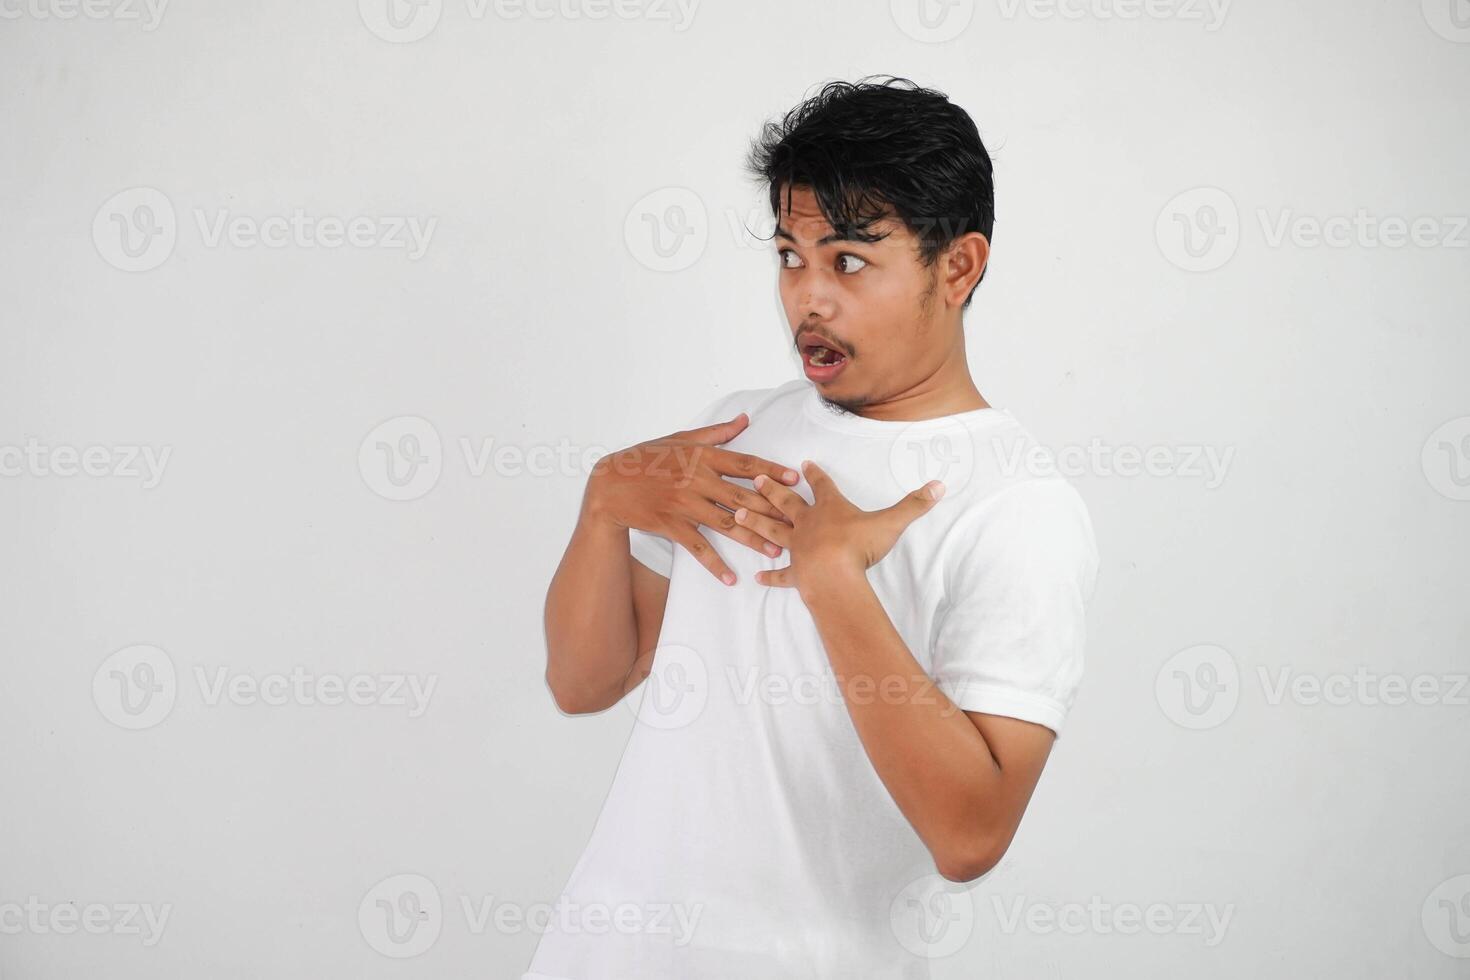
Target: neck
{"points": [[948, 390]]}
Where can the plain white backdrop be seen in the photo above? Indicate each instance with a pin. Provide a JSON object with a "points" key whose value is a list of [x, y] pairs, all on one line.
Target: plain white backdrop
{"points": [[316, 314]]}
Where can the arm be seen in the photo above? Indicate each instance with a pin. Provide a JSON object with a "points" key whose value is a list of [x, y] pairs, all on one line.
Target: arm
{"points": [[962, 779], [604, 607], [600, 591]]}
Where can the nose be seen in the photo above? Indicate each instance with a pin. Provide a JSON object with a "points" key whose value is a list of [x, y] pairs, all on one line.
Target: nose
{"points": [[814, 301]]}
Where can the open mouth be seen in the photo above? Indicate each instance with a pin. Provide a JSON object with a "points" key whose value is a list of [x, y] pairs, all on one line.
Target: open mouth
{"points": [[819, 356], [821, 363]]}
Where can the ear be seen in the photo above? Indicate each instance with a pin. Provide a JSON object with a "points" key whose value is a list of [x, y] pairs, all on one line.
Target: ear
{"points": [[964, 263]]}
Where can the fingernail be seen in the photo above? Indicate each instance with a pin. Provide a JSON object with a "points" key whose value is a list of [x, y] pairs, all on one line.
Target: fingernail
{"points": [[936, 490], [728, 578], [740, 514], [758, 478], [791, 476], [772, 550]]}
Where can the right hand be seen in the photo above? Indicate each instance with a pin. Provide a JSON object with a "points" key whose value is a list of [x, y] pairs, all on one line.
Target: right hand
{"points": [[673, 485]]}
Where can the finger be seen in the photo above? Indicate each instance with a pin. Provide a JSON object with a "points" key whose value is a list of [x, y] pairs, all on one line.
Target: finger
{"points": [[718, 432], [734, 496], [911, 506], [788, 501], [693, 542], [730, 463], [780, 578], [819, 481], [771, 530], [723, 522]]}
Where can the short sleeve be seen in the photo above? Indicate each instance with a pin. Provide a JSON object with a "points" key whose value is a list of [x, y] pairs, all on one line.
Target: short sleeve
{"points": [[653, 550], [657, 551], [1011, 628]]}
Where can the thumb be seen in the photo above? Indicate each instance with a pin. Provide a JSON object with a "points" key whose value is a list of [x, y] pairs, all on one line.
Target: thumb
{"points": [[718, 432], [911, 506]]}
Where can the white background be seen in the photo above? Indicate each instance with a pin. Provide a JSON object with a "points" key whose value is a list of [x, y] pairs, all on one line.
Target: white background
{"points": [[1332, 835]]}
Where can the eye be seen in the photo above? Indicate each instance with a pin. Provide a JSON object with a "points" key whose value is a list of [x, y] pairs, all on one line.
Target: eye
{"points": [[783, 253], [851, 258]]}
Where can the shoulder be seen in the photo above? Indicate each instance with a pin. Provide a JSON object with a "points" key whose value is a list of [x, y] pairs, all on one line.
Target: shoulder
{"points": [[1015, 508], [753, 400]]}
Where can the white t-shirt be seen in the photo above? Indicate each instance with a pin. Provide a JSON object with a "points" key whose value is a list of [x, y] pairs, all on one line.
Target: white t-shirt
{"points": [[746, 834]]}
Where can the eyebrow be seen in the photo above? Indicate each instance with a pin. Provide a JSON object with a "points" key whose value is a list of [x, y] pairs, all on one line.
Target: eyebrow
{"points": [[782, 232]]}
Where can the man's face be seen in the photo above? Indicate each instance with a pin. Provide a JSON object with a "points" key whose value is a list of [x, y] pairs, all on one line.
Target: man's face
{"points": [[865, 316]]}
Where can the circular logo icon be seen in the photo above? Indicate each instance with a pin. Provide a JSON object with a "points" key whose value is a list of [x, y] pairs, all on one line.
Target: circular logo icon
{"points": [[923, 451], [136, 687], [1198, 687], [402, 458], [1446, 917], [933, 917], [135, 230], [675, 691], [400, 21], [1446, 459], [932, 21], [401, 916], [1450, 19], [667, 230], [1199, 230]]}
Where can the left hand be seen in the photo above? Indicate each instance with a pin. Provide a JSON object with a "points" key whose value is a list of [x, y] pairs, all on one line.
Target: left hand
{"points": [[831, 535]]}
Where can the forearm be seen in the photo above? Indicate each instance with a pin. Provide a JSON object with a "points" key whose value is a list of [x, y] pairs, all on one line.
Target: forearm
{"points": [[934, 761], [591, 628]]}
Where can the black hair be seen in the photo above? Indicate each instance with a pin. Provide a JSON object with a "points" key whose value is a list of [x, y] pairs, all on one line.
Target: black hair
{"points": [[875, 149]]}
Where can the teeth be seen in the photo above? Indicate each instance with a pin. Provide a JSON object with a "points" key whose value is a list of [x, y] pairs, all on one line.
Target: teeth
{"points": [[823, 357]]}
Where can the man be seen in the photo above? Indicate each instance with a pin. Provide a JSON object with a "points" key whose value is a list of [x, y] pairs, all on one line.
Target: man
{"points": [[857, 671]]}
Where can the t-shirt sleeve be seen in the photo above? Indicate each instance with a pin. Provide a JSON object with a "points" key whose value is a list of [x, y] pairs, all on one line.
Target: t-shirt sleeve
{"points": [[657, 551], [653, 550], [1010, 630]]}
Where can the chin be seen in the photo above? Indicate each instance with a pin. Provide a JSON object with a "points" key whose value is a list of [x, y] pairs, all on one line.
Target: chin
{"points": [[838, 400]]}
